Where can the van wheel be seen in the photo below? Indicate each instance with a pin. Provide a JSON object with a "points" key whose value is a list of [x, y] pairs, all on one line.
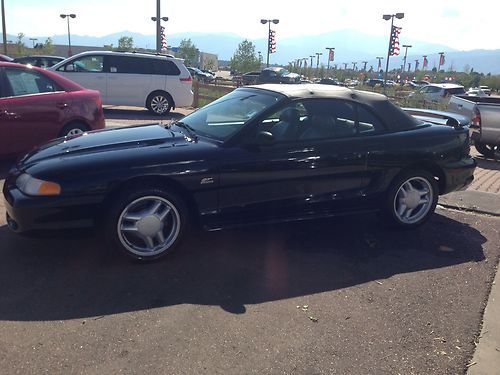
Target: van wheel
{"points": [[74, 128], [486, 150], [159, 103]]}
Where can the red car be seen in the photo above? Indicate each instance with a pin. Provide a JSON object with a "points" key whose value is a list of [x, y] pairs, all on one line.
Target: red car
{"points": [[37, 105]]}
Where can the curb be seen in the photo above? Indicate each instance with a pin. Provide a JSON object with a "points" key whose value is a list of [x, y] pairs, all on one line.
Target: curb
{"points": [[473, 201]]}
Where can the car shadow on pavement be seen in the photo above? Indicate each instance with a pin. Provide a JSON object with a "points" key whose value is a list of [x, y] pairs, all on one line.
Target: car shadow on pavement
{"points": [[486, 163], [67, 278], [120, 113]]}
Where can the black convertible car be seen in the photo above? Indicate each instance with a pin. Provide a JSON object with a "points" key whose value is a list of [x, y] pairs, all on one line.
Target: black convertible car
{"points": [[268, 153]]}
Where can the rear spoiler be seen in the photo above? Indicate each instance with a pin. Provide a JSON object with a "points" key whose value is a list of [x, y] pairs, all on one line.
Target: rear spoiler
{"points": [[438, 117]]}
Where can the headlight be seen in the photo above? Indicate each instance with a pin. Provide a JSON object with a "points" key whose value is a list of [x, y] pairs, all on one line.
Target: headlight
{"points": [[33, 186]]}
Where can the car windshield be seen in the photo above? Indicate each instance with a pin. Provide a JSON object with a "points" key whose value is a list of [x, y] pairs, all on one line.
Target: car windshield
{"points": [[227, 115]]}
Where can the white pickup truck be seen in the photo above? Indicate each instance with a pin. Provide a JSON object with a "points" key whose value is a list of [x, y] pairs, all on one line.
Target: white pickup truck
{"points": [[484, 113]]}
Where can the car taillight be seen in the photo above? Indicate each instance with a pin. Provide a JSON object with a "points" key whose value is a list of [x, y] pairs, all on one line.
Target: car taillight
{"points": [[187, 79], [476, 118]]}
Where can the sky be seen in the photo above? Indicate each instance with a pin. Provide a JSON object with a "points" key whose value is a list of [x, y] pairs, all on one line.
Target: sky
{"points": [[459, 24]]}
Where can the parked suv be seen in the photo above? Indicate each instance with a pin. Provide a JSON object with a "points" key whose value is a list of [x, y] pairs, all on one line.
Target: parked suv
{"points": [[157, 82], [278, 75], [439, 92]]}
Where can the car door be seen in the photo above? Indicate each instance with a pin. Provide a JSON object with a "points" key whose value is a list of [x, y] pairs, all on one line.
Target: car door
{"points": [[87, 71], [129, 79], [31, 110], [308, 173]]}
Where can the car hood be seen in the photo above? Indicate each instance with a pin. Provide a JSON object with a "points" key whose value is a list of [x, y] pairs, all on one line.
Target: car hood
{"points": [[116, 139]]}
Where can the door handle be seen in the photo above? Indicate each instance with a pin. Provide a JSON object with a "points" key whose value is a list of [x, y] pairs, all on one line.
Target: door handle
{"points": [[459, 105], [62, 105]]}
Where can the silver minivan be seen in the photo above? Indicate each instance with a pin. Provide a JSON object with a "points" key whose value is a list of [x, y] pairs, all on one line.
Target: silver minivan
{"points": [[157, 82]]}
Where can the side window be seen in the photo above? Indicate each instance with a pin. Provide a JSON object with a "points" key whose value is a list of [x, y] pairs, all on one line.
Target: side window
{"points": [[128, 64], [165, 67], [28, 82], [286, 123], [92, 64], [368, 123], [329, 119]]}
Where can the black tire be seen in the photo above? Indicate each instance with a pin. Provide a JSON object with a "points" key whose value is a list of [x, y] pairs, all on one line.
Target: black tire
{"points": [[159, 103], [147, 223], [73, 128], [486, 150], [417, 207]]}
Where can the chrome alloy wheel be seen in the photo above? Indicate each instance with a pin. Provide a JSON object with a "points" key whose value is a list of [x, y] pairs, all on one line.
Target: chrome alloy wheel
{"points": [[413, 200], [74, 131], [148, 226], [159, 104]]}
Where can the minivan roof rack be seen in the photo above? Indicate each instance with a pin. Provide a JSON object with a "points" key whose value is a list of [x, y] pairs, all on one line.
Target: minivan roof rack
{"points": [[148, 53]]}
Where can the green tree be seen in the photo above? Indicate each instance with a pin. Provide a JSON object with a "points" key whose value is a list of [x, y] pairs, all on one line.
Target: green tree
{"points": [[20, 44], [188, 52], [245, 58], [126, 43]]}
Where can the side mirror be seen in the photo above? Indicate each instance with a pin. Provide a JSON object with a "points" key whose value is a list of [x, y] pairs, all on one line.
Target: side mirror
{"points": [[265, 139]]}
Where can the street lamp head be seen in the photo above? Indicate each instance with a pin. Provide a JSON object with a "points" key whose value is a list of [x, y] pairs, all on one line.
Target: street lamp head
{"points": [[400, 15], [275, 21], [407, 45], [72, 15], [263, 22], [62, 15], [387, 17], [165, 19]]}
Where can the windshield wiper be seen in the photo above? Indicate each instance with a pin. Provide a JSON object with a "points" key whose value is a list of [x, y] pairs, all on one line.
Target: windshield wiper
{"points": [[191, 133]]}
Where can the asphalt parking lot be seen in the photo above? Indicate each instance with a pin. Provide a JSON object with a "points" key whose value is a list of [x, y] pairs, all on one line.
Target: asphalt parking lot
{"points": [[343, 296]]}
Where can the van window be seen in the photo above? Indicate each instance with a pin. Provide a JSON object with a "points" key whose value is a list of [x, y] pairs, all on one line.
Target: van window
{"points": [[165, 67], [140, 65], [92, 64]]}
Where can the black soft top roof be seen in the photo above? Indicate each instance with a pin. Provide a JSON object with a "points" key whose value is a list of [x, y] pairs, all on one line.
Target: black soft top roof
{"points": [[393, 116]]}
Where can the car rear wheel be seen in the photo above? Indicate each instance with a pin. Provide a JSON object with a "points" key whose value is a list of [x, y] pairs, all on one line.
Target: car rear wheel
{"points": [[159, 103], [412, 199], [488, 151], [74, 128], [147, 224]]}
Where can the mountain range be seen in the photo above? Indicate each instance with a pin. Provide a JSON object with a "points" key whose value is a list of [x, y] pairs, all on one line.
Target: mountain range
{"points": [[350, 46]]}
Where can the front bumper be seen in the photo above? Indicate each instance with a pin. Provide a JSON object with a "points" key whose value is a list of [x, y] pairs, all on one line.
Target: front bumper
{"points": [[459, 175], [26, 213]]}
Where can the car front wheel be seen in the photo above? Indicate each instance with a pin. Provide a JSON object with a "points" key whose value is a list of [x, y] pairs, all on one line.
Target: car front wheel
{"points": [[412, 199], [147, 224]]}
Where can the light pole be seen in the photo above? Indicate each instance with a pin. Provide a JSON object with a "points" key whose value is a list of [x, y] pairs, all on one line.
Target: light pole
{"points": [[354, 65], [416, 65], [263, 21], [330, 56], [68, 16], [4, 31], [33, 41], [311, 57], [158, 28], [406, 46], [388, 17], [364, 65], [345, 65], [379, 63], [318, 54]]}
